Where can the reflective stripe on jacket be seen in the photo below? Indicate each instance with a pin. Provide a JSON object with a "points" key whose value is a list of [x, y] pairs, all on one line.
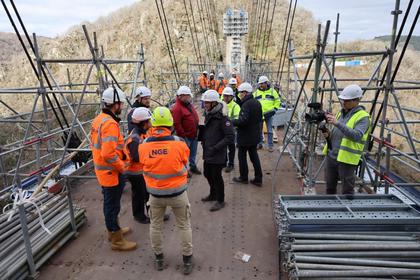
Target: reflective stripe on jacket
{"points": [[163, 159], [107, 149]]}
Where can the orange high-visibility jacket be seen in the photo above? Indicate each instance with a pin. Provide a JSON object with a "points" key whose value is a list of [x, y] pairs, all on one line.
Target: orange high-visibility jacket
{"points": [[238, 80], [107, 149], [211, 84], [203, 81], [131, 149], [163, 159], [220, 86]]}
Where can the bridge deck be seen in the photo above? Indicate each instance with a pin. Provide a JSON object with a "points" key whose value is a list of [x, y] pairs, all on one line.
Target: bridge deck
{"points": [[245, 224]]}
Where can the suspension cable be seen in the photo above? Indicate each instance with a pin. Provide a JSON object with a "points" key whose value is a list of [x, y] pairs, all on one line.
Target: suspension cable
{"points": [[168, 40], [195, 34], [284, 39], [191, 32], [288, 38], [264, 57]]}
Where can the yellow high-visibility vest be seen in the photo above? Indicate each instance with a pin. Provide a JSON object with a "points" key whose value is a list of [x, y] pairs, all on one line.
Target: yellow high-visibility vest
{"points": [[351, 151]]}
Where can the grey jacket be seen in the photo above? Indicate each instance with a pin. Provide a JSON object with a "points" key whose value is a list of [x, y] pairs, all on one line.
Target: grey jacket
{"points": [[341, 130]]}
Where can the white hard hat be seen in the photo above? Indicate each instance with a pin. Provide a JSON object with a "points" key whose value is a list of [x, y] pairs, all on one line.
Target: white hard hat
{"points": [[233, 81], [211, 96], [263, 79], [142, 92], [221, 75], [351, 92], [205, 72], [141, 114], [211, 74], [245, 87], [228, 91], [184, 90], [113, 95]]}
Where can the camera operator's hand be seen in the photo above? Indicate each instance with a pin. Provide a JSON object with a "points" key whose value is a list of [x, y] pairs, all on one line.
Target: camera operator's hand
{"points": [[330, 118]]}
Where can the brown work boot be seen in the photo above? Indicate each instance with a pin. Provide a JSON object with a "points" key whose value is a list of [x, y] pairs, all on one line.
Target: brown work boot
{"points": [[119, 243], [124, 231]]}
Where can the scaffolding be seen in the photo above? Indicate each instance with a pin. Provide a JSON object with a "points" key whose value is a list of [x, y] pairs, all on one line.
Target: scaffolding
{"points": [[382, 94], [56, 131]]}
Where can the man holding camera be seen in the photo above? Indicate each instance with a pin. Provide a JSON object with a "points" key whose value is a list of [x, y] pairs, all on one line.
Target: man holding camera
{"points": [[346, 141]]}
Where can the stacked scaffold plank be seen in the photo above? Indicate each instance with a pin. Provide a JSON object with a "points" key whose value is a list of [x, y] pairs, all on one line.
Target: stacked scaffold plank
{"points": [[348, 237]]}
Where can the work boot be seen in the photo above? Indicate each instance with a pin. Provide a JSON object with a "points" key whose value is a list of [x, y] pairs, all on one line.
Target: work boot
{"points": [[229, 169], [195, 170], [124, 231], [240, 180], [217, 206], [259, 146], [159, 265], [271, 149], [120, 244], [166, 217], [256, 183], [188, 265], [142, 220], [208, 198]]}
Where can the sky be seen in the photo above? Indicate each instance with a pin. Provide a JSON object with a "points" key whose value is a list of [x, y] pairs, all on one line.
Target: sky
{"points": [[359, 19], [54, 17]]}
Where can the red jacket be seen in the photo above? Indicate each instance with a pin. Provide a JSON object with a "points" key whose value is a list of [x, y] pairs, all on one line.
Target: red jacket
{"points": [[185, 120]]}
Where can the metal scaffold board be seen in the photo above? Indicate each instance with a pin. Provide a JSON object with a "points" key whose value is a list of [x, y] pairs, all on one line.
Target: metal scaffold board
{"points": [[344, 210]]}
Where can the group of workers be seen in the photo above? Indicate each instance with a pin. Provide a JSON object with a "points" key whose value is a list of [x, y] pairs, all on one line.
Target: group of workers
{"points": [[160, 151]]}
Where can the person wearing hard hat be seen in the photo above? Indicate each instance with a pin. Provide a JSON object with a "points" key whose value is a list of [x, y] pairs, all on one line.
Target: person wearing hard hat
{"points": [[235, 75], [143, 97], [270, 102], [203, 81], [218, 134], [233, 84], [248, 126], [163, 159], [141, 120], [233, 113], [186, 124], [220, 83], [212, 82], [351, 128], [109, 164]]}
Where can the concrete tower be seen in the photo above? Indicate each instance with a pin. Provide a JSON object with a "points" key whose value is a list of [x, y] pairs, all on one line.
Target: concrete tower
{"points": [[235, 27]]}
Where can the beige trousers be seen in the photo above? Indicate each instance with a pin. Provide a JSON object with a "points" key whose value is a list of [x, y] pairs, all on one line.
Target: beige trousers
{"points": [[181, 209]]}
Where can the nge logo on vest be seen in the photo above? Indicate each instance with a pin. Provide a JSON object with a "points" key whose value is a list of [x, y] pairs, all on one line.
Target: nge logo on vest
{"points": [[158, 152]]}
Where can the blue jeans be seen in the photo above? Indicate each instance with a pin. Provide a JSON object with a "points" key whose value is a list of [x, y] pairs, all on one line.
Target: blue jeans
{"points": [[192, 145], [112, 204], [269, 124]]}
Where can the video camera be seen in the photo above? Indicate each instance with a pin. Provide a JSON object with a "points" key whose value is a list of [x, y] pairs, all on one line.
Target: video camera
{"points": [[317, 115]]}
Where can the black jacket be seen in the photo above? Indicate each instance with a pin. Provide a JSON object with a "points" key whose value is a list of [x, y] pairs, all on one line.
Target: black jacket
{"points": [[218, 134], [130, 115], [249, 122]]}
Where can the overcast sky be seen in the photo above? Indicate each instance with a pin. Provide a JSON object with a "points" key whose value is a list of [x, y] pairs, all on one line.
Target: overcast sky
{"points": [[359, 19]]}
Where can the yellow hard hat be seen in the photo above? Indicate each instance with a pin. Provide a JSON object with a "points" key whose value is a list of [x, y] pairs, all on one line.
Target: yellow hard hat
{"points": [[162, 117]]}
